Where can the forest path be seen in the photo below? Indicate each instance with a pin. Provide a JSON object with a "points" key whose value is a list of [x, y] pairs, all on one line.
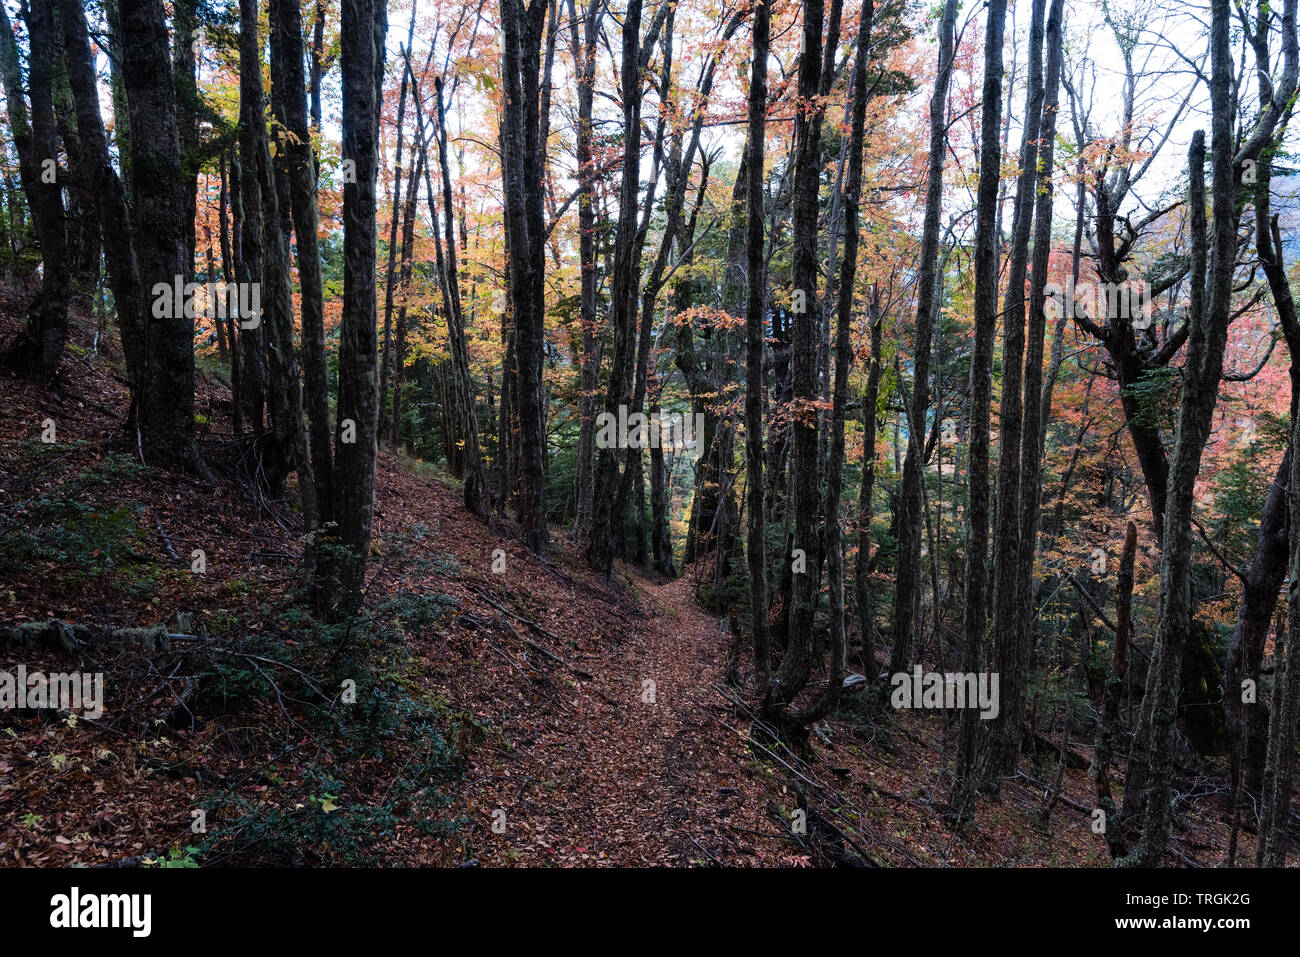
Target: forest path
{"points": [[637, 774]]}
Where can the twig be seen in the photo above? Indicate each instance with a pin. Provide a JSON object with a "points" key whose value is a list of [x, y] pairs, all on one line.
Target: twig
{"points": [[706, 851]]}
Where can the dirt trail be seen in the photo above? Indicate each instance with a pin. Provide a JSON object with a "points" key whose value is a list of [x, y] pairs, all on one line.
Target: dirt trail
{"points": [[650, 779]]}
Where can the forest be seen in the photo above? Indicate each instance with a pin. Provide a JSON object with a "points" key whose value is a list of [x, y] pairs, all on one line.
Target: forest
{"points": [[683, 433]]}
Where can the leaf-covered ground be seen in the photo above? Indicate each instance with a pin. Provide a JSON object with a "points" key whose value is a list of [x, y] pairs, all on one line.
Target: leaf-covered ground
{"points": [[537, 716]]}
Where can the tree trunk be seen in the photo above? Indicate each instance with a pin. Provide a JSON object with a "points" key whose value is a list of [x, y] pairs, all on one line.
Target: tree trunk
{"points": [[166, 408], [600, 550], [862, 566], [287, 50], [522, 157], [1208, 320], [185, 70], [1103, 753], [755, 335], [476, 499], [584, 58], [1011, 654], [253, 361], [792, 675], [39, 347], [907, 592], [390, 279], [285, 449], [825, 702], [363, 26], [229, 224], [961, 798], [114, 217]]}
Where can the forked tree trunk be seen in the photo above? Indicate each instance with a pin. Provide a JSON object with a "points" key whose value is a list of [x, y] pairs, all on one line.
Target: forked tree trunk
{"points": [[600, 550], [287, 47], [1010, 659], [825, 702]]}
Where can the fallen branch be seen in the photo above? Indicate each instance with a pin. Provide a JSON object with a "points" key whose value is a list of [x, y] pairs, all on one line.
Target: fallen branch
{"points": [[68, 637], [542, 649], [520, 618]]}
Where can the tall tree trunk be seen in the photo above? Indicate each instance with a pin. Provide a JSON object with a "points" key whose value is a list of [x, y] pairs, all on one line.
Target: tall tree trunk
{"points": [[600, 551], [962, 796], [285, 449], [114, 217], [1037, 403], [230, 229], [1279, 768], [364, 23], [287, 52], [825, 702], [522, 157], [584, 59], [39, 347], [476, 498], [907, 592], [1103, 752], [792, 675], [1010, 658], [185, 65], [755, 336], [167, 401], [1248, 722], [390, 279], [251, 266], [406, 251], [862, 565], [1208, 316]]}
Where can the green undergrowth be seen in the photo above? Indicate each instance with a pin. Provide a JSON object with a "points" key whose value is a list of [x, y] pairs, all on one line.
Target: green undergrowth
{"points": [[364, 748]]}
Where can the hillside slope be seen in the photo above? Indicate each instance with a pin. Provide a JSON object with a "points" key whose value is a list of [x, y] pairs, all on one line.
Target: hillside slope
{"points": [[507, 710]]}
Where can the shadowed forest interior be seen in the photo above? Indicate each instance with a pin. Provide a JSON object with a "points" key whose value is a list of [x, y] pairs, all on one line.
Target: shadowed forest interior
{"points": [[652, 432]]}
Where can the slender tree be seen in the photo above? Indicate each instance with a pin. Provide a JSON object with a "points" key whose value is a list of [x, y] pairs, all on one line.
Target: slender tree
{"points": [[583, 52], [287, 55], [1004, 744], [39, 347], [961, 798], [390, 280], [755, 334], [907, 589], [618, 395]]}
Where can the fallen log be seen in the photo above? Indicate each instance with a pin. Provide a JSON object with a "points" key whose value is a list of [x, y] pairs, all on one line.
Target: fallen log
{"points": [[68, 637]]}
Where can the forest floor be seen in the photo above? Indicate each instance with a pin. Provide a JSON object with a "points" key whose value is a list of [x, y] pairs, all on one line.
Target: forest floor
{"points": [[509, 710]]}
